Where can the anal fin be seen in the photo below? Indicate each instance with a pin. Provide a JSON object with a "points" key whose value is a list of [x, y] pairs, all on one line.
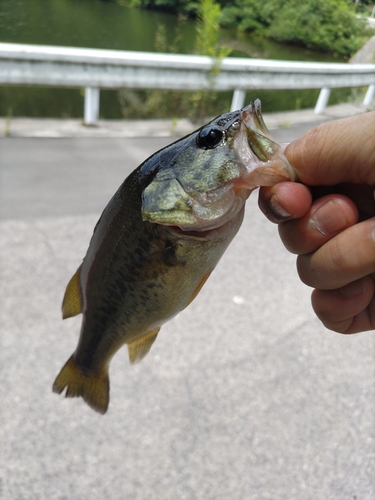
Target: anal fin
{"points": [[138, 348], [72, 305]]}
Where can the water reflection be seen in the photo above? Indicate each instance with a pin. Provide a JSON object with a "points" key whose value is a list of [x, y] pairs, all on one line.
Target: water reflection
{"points": [[94, 23]]}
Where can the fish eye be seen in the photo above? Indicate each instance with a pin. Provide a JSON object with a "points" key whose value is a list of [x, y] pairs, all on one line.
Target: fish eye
{"points": [[209, 137]]}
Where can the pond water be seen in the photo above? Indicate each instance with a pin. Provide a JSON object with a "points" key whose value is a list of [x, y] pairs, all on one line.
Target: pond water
{"points": [[106, 25]]}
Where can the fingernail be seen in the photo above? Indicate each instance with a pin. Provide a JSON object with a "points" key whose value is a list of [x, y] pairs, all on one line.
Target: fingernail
{"points": [[354, 289], [328, 218], [277, 208]]}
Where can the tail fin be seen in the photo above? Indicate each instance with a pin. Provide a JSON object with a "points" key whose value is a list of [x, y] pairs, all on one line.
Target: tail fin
{"points": [[92, 388]]}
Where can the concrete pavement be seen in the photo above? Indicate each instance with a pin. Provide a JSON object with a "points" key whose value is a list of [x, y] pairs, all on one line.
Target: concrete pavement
{"points": [[245, 395]]}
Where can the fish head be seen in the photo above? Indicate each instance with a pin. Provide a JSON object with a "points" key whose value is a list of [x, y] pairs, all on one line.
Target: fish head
{"points": [[206, 183]]}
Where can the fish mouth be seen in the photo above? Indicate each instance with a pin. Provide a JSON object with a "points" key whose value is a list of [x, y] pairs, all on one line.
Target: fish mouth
{"points": [[227, 224], [265, 164], [204, 213], [246, 158], [252, 117]]}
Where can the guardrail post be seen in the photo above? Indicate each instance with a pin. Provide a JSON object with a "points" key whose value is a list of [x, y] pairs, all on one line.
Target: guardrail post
{"points": [[322, 101], [369, 94], [91, 111], [238, 99]]}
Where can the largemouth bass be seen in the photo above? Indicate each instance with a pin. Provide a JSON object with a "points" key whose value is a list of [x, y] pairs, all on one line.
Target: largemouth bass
{"points": [[159, 239]]}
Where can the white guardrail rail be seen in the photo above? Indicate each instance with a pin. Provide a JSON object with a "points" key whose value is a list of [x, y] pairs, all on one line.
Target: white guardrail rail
{"points": [[97, 69]]}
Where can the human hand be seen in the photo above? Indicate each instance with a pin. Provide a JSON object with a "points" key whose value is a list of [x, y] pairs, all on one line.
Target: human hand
{"points": [[329, 219]]}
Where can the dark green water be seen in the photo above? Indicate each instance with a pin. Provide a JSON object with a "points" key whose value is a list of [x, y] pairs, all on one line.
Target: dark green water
{"points": [[106, 25]]}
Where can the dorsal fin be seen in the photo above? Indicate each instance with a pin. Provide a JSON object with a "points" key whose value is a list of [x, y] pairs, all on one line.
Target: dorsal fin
{"points": [[138, 348], [72, 304]]}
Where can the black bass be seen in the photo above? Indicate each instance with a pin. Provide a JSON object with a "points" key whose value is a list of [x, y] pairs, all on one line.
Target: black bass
{"points": [[159, 239]]}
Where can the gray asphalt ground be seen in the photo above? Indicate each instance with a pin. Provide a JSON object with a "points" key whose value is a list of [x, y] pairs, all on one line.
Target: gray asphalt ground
{"points": [[244, 395]]}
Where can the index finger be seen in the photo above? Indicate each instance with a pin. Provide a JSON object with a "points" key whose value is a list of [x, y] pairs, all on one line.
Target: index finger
{"points": [[335, 152]]}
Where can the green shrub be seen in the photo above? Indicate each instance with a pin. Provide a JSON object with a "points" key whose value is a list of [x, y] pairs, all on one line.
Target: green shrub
{"points": [[168, 103], [248, 15], [176, 6], [329, 26], [322, 25]]}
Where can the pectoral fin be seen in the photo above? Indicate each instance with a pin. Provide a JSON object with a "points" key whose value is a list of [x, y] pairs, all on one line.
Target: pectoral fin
{"points": [[72, 303], [139, 348]]}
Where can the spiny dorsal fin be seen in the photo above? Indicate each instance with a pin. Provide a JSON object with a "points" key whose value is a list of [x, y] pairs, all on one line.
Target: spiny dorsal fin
{"points": [[139, 348], [72, 304]]}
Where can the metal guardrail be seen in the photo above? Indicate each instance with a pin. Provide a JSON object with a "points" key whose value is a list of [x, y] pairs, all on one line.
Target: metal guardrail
{"points": [[108, 69]]}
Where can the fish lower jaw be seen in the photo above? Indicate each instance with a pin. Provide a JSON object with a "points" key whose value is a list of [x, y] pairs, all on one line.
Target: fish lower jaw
{"points": [[202, 228], [191, 233], [202, 219], [220, 232]]}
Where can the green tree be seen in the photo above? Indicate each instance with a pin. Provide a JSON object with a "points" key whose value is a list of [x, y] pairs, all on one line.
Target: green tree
{"points": [[329, 26], [324, 25], [176, 6], [248, 15]]}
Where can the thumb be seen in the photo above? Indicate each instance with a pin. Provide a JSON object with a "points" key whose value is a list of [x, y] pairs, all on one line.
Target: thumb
{"points": [[335, 152]]}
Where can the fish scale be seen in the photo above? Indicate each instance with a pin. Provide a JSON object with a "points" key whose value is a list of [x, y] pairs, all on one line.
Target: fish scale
{"points": [[159, 239]]}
